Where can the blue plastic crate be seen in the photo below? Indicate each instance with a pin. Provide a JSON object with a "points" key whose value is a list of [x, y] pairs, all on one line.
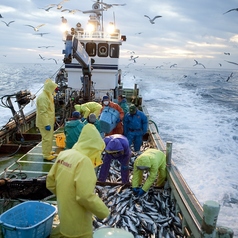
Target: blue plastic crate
{"points": [[30, 219], [108, 119]]}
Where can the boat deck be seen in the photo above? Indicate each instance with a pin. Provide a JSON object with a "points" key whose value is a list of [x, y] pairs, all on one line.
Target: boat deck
{"points": [[28, 165]]}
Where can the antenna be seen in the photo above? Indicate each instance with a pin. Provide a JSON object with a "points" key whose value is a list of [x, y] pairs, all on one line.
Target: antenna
{"points": [[114, 21], [102, 19]]}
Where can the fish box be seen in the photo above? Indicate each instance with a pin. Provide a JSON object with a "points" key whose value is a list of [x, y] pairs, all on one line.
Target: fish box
{"points": [[31, 219], [108, 119]]}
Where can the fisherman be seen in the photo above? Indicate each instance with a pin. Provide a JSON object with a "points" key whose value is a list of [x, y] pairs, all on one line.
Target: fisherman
{"points": [[123, 103], [89, 107], [91, 136], [72, 179], [117, 147], [135, 126], [45, 118], [119, 127], [72, 130], [93, 120], [154, 162], [61, 77]]}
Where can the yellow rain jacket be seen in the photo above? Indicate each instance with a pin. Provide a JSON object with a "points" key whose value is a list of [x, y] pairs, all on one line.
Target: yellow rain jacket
{"points": [[45, 115], [156, 161], [91, 142], [89, 107], [72, 178]]}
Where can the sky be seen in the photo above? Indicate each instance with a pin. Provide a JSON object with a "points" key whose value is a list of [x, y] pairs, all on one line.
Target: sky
{"points": [[187, 30]]}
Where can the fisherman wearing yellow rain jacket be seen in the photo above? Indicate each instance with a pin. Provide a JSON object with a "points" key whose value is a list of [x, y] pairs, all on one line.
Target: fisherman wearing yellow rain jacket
{"points": [[89, 107], [45, 117], [72, 179], [153, 161]]}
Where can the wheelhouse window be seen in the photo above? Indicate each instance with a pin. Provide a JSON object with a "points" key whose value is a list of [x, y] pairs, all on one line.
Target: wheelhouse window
{"points": [[91, 48], [102, 49], [114, 51]]}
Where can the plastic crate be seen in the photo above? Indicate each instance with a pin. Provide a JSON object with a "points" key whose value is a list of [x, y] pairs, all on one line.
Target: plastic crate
{"points": [[30, 219], [108, 119], [60, 140]]}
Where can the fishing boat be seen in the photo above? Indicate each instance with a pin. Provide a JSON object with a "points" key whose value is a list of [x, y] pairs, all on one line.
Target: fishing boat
{"points": [[91, 70]]}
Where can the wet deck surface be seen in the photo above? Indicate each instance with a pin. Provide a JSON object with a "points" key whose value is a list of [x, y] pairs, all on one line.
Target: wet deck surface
{"points": [[32, 164]]}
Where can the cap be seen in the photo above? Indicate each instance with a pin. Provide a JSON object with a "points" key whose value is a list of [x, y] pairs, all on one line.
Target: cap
{"points": [[105, 98], [75, 114], [132, 108], [92, 118]]}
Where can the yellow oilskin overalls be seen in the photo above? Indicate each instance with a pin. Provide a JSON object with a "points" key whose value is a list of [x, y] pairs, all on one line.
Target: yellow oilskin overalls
{"points": [[72, 178]]}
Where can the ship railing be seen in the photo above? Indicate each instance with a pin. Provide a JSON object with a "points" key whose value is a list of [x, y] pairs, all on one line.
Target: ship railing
{"points": [[101, 35], [197, 221]]}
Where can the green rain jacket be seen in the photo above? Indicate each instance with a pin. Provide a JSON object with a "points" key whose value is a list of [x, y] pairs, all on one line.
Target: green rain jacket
{"points": [[45, 110], [156, 161], [72, 179]]}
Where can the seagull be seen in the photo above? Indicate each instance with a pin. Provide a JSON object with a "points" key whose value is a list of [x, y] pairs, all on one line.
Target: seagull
{"points": [[36, 28], [159, 66], [1, 16], [220, 64], [41, 34], [53, 59], [229, 77], [231, 62], [107, 6], [173, 65], [234, 9], [131, 52], [59, 5], [7, 24], [45, 46], [152, 20], [199, 64], [134, 58], [64, 20], [46, 9], [43, 58], [71, 11], [226, 53]]}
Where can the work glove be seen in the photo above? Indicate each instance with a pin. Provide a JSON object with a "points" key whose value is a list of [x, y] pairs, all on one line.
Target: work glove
{"points": [[48, 127], [135, 190], [82, 119], [141, 192]]}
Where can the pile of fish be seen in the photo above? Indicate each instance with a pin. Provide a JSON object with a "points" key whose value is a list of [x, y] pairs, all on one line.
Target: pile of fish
{"points": [[152, 215]]}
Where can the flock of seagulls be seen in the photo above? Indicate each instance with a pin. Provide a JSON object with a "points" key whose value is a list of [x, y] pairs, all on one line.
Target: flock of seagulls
{"points": [[102, 6]]}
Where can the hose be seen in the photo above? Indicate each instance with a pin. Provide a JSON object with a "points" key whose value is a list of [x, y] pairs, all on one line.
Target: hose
{"points": [[154, 125]]}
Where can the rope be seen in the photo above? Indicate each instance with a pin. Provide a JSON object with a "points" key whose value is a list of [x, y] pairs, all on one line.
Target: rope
{"points": [[50, 78]]}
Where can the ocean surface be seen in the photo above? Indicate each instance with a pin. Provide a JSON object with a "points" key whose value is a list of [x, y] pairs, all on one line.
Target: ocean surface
{"points": [[196, 109]]}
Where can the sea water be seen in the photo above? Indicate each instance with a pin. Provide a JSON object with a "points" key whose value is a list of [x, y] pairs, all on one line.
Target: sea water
{"points": [[196, 109]]}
